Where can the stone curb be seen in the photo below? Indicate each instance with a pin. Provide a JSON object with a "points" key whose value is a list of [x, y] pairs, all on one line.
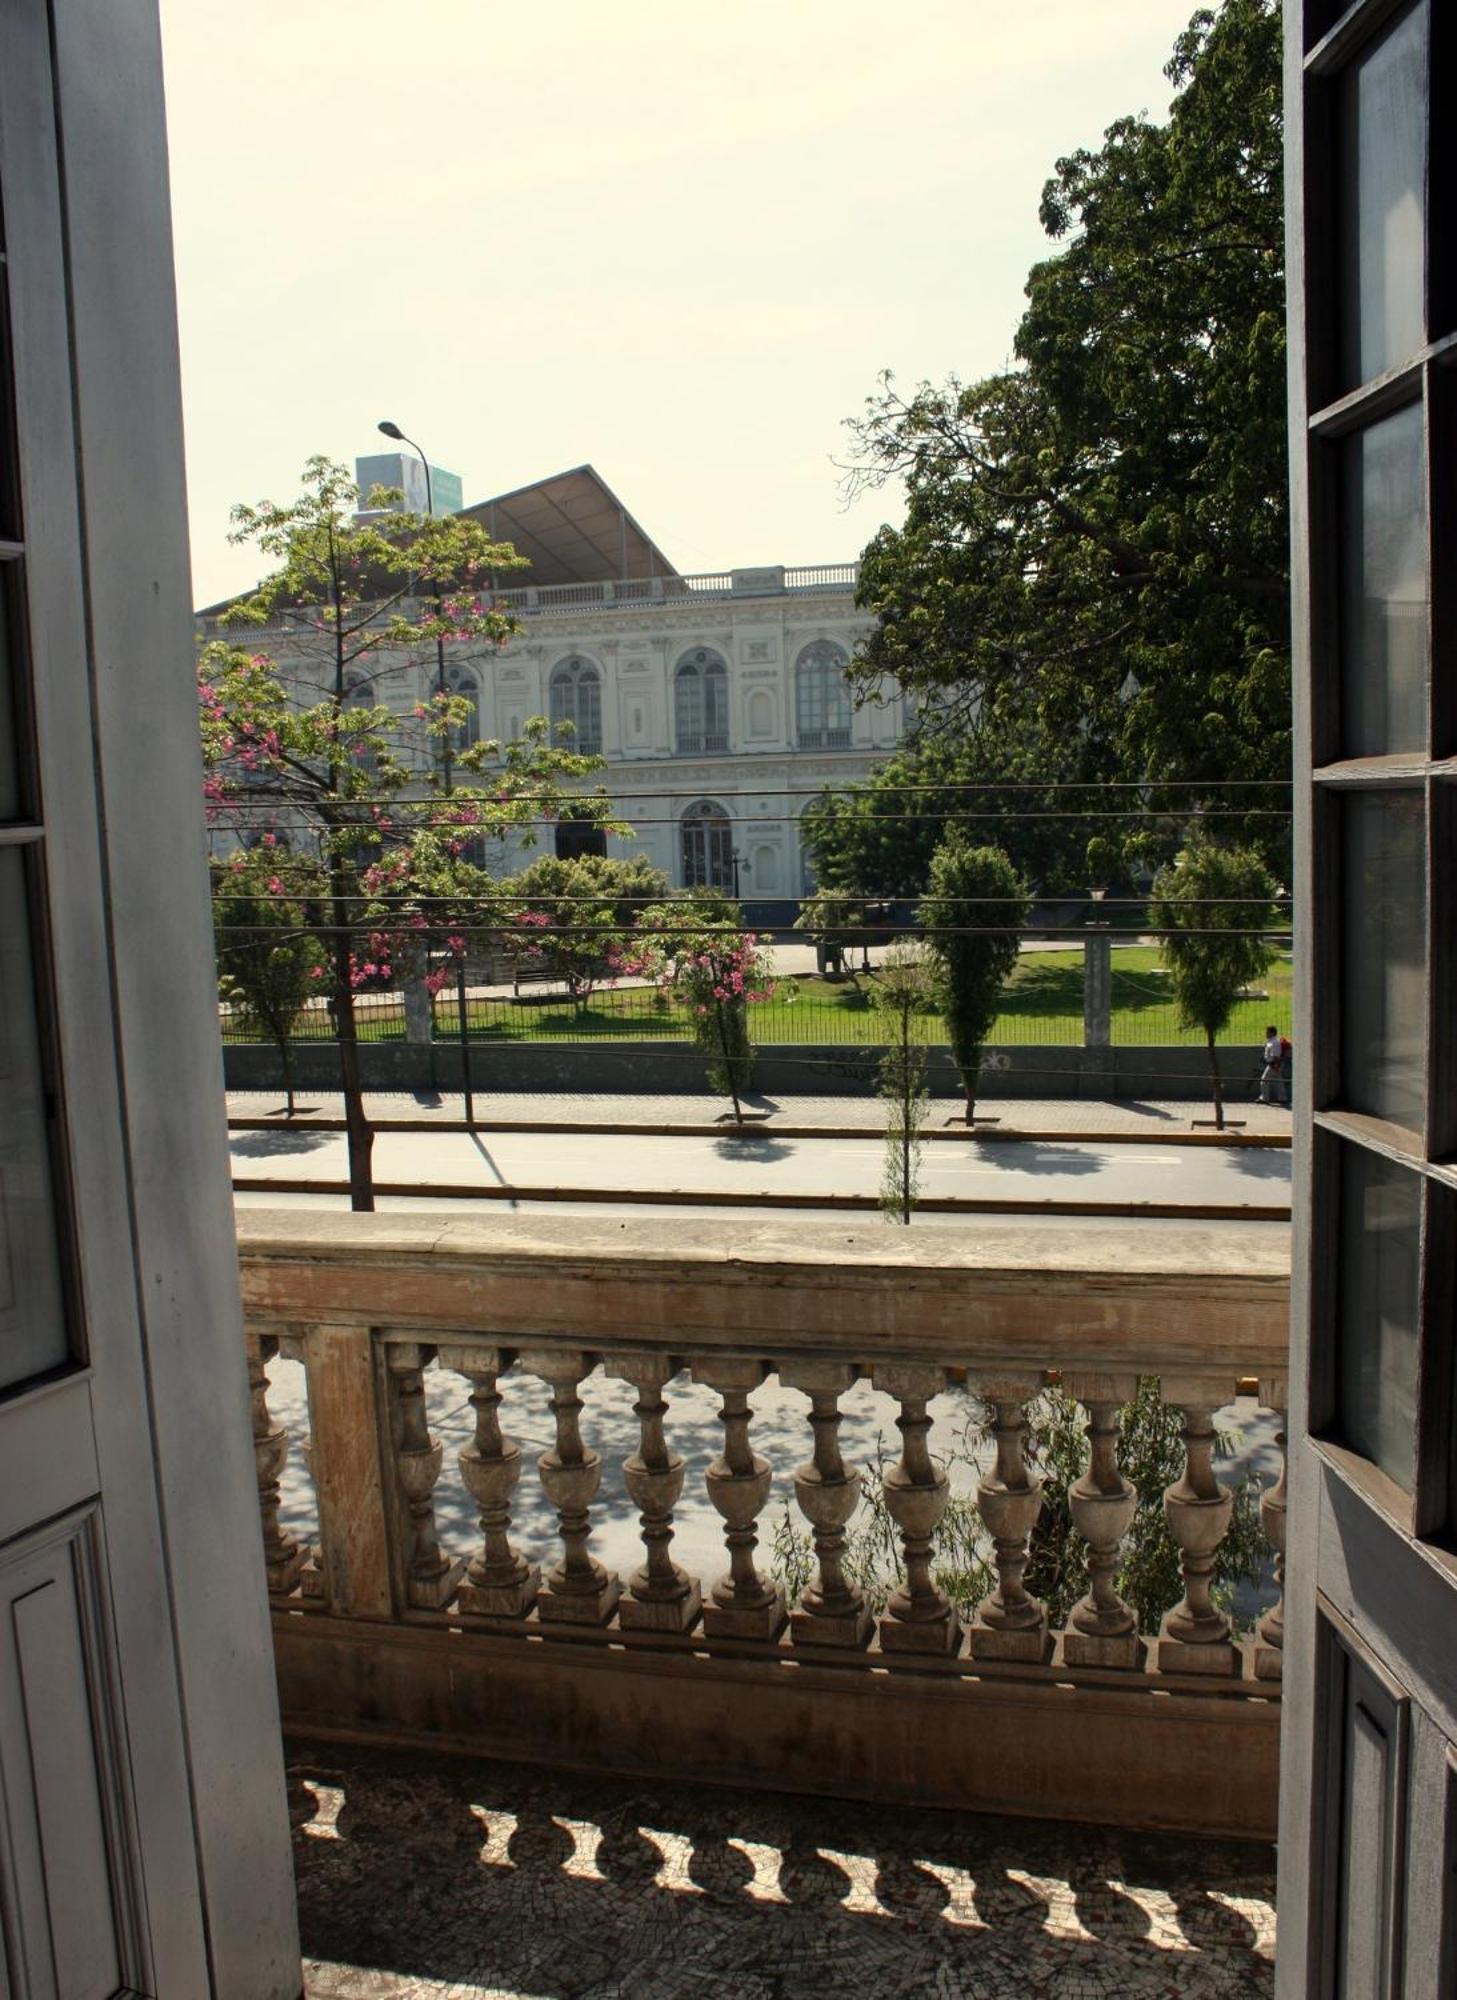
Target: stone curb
{"points": [[622, 1129], [727, 1198]]}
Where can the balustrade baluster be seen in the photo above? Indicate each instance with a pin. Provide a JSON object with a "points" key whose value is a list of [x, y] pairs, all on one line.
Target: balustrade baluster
{"points": [[430, 1575], [283, 1557], [660, 1597], [832, 1611], [1270, 1644], [311, 1582], [919, 1618], [577, 1590], [1102, 1629], [1195, 1637], [1010, 1625], [499, 1582], [742, 1604]]}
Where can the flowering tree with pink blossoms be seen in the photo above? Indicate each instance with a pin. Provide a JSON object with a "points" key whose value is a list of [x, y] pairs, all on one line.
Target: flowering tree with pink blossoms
{"points": [[387, 806], [702, 955]]}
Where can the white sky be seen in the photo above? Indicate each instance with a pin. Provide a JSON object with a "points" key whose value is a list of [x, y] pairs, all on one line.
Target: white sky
{"points": [[677, 240]]}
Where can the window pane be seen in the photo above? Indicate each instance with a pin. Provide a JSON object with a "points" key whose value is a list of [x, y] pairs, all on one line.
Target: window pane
{"points": [[32, 1322], [1376, 1321], [1383, 200], [1384, 986], [9, 761], [1384, 566]]}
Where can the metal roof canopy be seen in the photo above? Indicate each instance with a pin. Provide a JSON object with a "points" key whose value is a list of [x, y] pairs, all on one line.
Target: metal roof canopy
{"points": [[573, 529]]}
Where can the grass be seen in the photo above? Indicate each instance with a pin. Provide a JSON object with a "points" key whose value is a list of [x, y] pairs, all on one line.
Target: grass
{"points": [[1043, 1003]]}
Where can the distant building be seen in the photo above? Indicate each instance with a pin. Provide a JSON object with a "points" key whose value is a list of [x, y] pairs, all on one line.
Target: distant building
{"points": [[403, 471], [719, 701]]}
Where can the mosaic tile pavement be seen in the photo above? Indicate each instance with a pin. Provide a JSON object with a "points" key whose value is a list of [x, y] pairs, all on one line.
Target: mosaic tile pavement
{"points": [[431, 1878]]}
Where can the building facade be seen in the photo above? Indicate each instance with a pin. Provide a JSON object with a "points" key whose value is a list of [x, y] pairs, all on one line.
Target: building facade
{"points": [[719, 702]]}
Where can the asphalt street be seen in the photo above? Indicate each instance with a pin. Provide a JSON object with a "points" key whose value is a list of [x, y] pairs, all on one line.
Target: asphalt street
{"points": [[613, 1168]]}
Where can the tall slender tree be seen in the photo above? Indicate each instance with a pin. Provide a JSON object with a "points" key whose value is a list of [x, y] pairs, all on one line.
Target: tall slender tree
{"points": [[1210, 905], [972, 915]]}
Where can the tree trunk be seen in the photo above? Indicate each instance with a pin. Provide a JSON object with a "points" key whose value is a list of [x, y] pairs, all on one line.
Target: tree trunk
{"points": [[419, 1014], [285, 1057], [728, 1059], [356, 1125], [1217, 1080]]}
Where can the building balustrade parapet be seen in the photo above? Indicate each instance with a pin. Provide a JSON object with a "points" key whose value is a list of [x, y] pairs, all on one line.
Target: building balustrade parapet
{"points": [[369, 1303]]}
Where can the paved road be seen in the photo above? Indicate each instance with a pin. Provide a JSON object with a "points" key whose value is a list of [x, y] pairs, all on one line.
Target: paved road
{"points": [[1031, 1173]]}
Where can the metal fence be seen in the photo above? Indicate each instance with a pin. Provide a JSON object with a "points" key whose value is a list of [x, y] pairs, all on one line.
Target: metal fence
{"points": [[1042, 1007]]}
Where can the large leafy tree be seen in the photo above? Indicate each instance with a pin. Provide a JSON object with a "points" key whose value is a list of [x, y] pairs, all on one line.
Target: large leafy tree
{"points": [[1095, 542], [876, 836], [302, 739]]}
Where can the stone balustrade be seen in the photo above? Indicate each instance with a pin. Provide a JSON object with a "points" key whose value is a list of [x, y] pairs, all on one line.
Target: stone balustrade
{"points": [[381, 1626]]}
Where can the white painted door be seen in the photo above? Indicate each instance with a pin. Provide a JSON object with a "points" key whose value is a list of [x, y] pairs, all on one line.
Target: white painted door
{"points": [[113, 1879]]}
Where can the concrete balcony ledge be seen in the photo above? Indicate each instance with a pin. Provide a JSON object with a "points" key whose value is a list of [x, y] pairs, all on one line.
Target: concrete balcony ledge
{"points": [[1085, 1295], [466, 1603]]}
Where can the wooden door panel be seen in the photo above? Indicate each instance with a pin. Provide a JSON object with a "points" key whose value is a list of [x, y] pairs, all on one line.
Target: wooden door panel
{"points": [[1366, 1787], [68, 1884]]}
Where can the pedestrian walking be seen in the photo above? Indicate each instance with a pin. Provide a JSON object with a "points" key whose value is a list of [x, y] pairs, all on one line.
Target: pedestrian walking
{"points": [[1275, 1077]]}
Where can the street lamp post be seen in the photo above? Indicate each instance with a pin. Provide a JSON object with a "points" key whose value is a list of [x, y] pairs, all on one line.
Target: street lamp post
{"points": [[447, 776], [393, 431]]}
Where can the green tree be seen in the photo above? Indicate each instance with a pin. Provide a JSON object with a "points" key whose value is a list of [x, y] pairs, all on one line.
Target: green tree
{"points": [[1151, 1458], [575, 918], [972, 916], [904, 992], [270, 964], [1209, 907], [875, 837], [1095, 545], [1149, 1577], [702, 955], [300, 737]]}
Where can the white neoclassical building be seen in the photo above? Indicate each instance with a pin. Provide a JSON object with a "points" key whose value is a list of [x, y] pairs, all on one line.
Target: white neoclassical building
{"points": [[718, 701]]}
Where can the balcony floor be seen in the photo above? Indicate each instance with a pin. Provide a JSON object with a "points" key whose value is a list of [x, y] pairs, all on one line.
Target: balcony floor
{"points": [[436, 1878]]}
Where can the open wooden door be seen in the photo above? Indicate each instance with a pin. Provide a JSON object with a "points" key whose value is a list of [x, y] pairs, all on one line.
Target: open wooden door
{"points": [[1368, 1850], [143, 1843]]}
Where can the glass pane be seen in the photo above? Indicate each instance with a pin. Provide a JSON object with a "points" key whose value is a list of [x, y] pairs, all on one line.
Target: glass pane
{"points": [[1377, 1317], [1384, 983], [1384, 570], [1383, 201], [32, 1321]]}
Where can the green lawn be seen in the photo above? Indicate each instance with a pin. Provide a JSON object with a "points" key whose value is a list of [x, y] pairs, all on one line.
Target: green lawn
{"points": [[1043, 1003]]}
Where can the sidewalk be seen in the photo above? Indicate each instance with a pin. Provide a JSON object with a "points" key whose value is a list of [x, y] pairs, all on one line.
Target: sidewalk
{"points": [[1161, 1122]]}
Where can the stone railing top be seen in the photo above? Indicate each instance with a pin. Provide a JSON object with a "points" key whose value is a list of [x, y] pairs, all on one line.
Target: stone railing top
{"points": [[1097, 1294]]}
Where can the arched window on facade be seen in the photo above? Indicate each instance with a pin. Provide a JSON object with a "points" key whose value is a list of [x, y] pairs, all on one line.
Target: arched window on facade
{"points": [[708, 847], [576, 698], [822, 697], [701, 703], [360, 693], [460, 680]]}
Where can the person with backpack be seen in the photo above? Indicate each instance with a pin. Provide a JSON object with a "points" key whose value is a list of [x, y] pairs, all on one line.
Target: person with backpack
{"points": [[1275, 1076]]}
